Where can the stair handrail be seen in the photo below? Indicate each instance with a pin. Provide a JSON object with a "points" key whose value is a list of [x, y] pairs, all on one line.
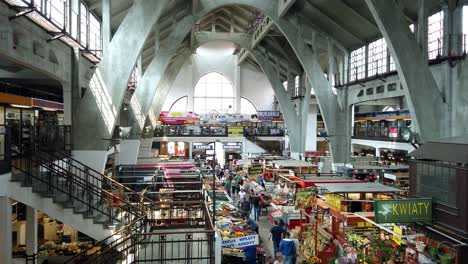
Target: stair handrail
{"points": [[103, 241], [97, 190], [93, 191], [113, 181]]}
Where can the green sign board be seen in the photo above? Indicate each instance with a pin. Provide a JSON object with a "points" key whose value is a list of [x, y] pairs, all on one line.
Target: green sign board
{"points": [[255, 169], [403, 211]]}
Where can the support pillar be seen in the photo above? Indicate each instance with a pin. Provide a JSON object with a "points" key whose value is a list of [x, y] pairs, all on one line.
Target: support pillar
{"points": [[5, 231], [129, 151], [106, 25], [190, 150], [426, 103], [31, 230], [422, 29]]}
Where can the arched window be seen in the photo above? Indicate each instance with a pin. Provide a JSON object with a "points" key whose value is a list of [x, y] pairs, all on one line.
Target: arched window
{"points": [[213, 93], [180, 105], [247, 108]]}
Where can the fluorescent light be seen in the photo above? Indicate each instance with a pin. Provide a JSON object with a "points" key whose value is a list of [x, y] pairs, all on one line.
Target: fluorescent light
{"points": [[20, 106]]}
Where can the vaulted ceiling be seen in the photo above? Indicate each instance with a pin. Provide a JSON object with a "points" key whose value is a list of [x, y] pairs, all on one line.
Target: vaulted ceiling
{"points": [[349, 22]]}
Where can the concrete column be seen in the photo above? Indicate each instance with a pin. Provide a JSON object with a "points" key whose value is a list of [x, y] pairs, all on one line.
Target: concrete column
{"points": [[106, 25], [5, 231], [100, 105], [31, 230], [425, 101], [67, 89], [190, 150], [96, 159], [421, 33], [377, 153], [129, 151], [237, 91], [311, 129]]}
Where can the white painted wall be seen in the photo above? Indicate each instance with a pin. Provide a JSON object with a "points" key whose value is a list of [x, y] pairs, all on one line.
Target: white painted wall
{"points": [[128, 151], [247, 81], [256, 87]]}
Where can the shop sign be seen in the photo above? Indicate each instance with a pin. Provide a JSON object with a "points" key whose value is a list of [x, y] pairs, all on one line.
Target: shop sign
{"points": [[232, 147], [240, 241], [397, 237], [333, 200], [393, 132], [255, 169], [203, 147], [403, 211], [268, 115], [235, 131]]}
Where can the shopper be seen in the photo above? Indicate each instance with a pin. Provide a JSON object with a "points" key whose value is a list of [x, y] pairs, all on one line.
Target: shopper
{"points": [[250, 254], [242, 194], [287, 249], [251, 223], [283, 226], [233, 187], [296, 244], [256, 206], [245, 207], [261, 181], [276, 236], [227, 186]]}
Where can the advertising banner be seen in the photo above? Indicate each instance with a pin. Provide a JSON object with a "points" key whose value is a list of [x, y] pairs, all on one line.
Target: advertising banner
{"points": [[403, 211], [268, 115], [235, 131], [393, 132], [240, 241], [202, 147]]}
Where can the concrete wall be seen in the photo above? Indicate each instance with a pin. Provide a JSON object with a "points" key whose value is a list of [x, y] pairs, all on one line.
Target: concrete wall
{"points": [[256, 87]]}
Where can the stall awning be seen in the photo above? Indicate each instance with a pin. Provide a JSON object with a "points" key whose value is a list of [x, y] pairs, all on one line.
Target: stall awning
{"points": [[454, 149], [365, 187]]}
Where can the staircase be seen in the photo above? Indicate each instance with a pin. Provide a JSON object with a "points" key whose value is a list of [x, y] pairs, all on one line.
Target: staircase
{"points": [[252, 148], [68, 190]]}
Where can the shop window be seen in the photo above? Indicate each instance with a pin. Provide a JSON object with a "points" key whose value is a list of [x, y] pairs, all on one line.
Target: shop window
{"points": [[213, 93], [247, 107], [435, 30], [358, 64], [377, 60]]}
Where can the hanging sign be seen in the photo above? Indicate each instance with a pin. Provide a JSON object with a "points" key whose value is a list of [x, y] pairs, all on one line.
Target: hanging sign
{"points": [[240, 242], [232, 147], [268, 115], [397, 237], [403, 211], [393, 132], [203, 147]]}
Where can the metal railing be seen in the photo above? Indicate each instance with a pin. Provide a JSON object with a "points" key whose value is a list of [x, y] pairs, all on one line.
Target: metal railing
{"points": [[213, 131], [133, 244]]}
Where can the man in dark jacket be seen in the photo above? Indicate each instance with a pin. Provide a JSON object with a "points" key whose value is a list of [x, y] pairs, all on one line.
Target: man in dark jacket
{"points": [[245, 207]]}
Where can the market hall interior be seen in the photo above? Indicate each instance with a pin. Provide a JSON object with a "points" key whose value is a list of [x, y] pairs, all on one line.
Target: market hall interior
{"points": [[231, 131]]}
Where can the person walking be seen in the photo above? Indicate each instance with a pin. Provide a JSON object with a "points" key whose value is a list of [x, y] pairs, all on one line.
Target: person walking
{"points": [[245, 207], [287, 248], [227, 186], [276, 236], [256, 206], [233, 187]]}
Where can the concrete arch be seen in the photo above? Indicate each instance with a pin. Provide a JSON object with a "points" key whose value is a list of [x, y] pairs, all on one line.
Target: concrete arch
{"points": [[336, 118]]}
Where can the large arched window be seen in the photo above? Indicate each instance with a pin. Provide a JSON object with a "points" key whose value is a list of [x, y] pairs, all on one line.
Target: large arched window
{"points": [[247, 108], [213, 93]]}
